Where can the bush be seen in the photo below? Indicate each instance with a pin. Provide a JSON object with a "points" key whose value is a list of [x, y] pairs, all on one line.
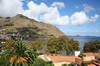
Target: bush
{"points": [[9, 24], [1, 17], [81, 55], [71, 64], [40, 62], [64, 65], [7, 17], [86, 63]]}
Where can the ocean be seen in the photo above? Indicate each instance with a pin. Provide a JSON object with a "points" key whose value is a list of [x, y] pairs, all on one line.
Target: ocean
{"points": [[83, 39]]}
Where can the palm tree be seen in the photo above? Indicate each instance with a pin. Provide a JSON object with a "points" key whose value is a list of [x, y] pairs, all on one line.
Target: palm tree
{"points": [[18, 55]]}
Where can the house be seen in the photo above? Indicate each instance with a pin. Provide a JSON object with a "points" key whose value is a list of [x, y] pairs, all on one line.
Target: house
{"points": [[88, 58], [58, 59], [93, 56]]}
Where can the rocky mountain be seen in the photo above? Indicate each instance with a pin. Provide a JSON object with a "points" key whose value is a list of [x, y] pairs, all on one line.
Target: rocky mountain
{"points": [[28, 27]]}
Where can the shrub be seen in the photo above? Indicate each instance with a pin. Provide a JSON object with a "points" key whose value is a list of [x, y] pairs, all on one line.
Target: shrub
{"points": [[86, 63], [64, 65], [40, 62], [9, 24], [8, 17], [71, 64]]}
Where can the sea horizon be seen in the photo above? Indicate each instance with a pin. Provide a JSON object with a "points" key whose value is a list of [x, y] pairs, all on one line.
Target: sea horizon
{"points": [[84, 39]]}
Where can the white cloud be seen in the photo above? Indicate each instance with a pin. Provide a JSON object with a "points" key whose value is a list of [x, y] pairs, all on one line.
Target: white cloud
{"points": [[44, 13], [51, 14], [10, 7], [94, 18], [53, 17], [35, 10], [59, 4], [87, 8], [79, 18]]}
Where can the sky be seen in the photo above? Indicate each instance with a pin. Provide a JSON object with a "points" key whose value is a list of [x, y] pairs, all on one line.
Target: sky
{"points": [[73, 17]]}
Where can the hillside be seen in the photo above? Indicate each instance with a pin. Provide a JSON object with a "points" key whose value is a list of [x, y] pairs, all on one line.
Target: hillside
{"points": [[28, 27]]}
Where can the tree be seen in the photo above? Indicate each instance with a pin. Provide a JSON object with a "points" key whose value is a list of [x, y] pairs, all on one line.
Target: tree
{"points": [[73, 45], [92, 46], [36, 45], [8, 44], [2, 41], [40, 62], [69, 45], [18, 54], [54, 45], [62, 44]]}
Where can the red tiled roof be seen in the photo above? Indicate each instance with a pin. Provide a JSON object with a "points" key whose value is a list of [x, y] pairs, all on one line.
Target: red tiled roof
{"points": [[91, 65], [60, 58], [97, 63], [91, 54]]}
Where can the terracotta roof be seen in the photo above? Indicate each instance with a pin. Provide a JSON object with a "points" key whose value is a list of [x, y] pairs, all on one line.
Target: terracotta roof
{"points": [[91, 65], [97, 63], [91, 54], [60, 58]]}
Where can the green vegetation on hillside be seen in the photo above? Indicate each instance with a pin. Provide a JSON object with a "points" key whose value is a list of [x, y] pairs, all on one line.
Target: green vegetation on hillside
{"points": [[28, 32], [28, 28], [10, 24]]}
